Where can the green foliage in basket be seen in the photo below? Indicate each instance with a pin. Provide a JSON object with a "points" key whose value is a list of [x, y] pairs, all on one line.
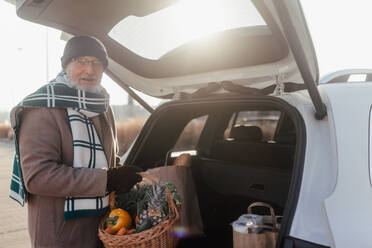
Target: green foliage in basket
{"points": [[143, 226], [149, 202], [128, 201], [173, 190]]}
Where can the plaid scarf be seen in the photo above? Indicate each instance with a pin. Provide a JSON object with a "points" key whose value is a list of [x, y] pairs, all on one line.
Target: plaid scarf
{"points": [[88, 151]]}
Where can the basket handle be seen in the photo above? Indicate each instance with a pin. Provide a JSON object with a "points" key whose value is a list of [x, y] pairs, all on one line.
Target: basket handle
{"points": [[112, 200], [262, 204]]}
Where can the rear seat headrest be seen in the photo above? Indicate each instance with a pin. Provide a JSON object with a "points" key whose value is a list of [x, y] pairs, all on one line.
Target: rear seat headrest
{"points": [[246, 133]]}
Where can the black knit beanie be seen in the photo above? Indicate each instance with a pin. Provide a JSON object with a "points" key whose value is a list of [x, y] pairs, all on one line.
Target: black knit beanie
{"points": [[79, 46]]}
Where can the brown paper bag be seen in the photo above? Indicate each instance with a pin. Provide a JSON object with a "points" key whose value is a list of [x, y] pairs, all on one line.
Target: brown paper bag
{"points": [[253, 240], [267, 239], [181, 177]]}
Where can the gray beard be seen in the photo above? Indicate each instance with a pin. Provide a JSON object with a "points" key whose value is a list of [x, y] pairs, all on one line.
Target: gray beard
{"points": [[73, 84]]}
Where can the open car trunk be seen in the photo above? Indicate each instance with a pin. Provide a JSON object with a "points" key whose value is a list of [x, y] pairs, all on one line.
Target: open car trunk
{"points": [[234, 163]]}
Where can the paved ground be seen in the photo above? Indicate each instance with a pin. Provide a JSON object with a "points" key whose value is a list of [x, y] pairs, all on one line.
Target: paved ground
{"points": [[13, 218]]}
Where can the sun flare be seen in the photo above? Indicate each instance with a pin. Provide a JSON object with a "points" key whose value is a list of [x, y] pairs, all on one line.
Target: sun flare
{"points": [[156, 34]]}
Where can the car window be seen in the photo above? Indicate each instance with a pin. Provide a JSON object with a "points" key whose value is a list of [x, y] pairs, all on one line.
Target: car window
{"points": [[130, 116], [267, 121], [152, 36], [190, 135]]}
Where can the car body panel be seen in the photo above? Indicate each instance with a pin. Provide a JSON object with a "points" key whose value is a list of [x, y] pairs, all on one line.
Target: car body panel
{"points": [[348, 207], [335, 196], [319, 174]]}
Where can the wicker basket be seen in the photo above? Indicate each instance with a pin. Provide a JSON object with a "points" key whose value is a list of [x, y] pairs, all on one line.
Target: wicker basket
{"points": [[159, 236]]}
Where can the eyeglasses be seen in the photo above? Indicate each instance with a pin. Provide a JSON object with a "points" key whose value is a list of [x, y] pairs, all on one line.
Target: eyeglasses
{"points": [[96, 64]]}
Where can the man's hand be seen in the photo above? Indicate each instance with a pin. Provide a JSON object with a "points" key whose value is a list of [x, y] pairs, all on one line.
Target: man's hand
{"points": [[122, 179]]}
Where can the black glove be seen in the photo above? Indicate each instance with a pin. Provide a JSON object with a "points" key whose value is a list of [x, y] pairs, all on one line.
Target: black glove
{"points": [[122, 179]]}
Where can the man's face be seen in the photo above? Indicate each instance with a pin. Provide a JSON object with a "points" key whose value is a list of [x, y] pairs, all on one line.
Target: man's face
{"points": [[85, 72]]}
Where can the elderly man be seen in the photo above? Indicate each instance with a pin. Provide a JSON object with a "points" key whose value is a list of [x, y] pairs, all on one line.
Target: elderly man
{"points": [[66, 150]]}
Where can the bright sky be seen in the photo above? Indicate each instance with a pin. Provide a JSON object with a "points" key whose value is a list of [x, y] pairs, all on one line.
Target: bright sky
{"points": [[27, 62], [340, 31]]}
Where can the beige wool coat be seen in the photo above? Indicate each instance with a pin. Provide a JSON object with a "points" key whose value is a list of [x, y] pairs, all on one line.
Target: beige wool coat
{"points": [[46, 153]]}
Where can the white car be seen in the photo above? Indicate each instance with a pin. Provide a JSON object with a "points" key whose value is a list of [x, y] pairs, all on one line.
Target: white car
{"points": [[264, 128]]}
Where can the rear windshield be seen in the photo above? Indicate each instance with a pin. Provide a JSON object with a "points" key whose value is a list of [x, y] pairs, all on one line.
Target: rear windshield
{"points": [[190, 135], [266, 121], [154, 35]]}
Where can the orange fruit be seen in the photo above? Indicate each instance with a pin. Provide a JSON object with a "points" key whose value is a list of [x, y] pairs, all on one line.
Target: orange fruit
{"points": [[124, 219]]}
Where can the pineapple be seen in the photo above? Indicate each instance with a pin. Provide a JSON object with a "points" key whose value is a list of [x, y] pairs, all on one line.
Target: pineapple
{"points": [[173, 190], [149, 202], [142, 213], [152, 208]]}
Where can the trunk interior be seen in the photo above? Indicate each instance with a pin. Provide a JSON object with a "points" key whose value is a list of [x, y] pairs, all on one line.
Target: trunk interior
{"points": [[247, 149]]}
